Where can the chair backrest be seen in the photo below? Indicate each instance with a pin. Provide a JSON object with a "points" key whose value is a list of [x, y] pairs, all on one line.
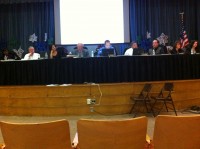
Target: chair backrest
{"points": [[177, 132], [166, 90], [83, 48], [51, 135], [145, 91], [168, 87], [117, 134]]}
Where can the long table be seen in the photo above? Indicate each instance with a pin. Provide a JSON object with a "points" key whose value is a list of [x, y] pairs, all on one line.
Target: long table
{"points": [[100, 70]]}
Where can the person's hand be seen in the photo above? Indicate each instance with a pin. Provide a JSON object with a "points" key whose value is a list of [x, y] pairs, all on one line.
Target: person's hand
{"points": [[51, 54], [31, 54]]}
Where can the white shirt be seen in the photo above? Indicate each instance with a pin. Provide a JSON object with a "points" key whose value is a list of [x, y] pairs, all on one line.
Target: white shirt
{"points": [[33, 57], [129, 52], [193, 51]]}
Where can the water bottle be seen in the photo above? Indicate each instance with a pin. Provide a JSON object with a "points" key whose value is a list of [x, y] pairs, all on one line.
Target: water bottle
{"points": [[5, 57], [92, 53], [46, 55], [154, 52]]}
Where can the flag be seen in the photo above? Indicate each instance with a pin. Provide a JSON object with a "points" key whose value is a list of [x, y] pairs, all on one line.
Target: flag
{"points": [[183, 35], [184, 39]]}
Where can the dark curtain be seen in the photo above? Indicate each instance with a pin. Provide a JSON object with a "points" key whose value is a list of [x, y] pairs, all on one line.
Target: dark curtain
{"points": [[198, 19], [162, 16], [20, 19]]}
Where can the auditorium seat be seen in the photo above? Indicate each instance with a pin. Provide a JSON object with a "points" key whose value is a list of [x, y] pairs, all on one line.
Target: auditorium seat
{"points": [[115, 134], [50, 135], [177, 132]]}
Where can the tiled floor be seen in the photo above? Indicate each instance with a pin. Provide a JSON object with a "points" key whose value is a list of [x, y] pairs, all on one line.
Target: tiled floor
{"points": [[73, 119]]}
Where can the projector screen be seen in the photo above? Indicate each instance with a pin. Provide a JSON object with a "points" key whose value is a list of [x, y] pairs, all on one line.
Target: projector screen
{"points": [[92, 21]]}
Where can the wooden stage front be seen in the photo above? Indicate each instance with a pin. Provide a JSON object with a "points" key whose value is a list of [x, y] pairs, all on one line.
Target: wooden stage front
{"points": [[71, 100]]}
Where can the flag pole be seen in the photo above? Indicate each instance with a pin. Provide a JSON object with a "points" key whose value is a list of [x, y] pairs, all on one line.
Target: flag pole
{"points": [[184, 38], [182, 15]]}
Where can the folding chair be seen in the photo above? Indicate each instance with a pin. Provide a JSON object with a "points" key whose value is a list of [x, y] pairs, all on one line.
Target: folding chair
{"points": [[143, 98], [165, 98]]}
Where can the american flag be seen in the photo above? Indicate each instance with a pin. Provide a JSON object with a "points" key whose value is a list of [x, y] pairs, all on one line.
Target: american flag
{"points": [[183, 35]]}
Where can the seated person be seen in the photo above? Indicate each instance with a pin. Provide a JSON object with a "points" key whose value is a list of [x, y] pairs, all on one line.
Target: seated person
{"points": [[97, 50], [134, 50], [125, 50], [176, 48], [80, 51], [107, 49], [56, 52], [156, 48], [7, 54], [192, 48], [31, 55]]}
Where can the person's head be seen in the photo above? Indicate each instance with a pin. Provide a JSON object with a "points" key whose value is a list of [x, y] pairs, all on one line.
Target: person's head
{"points": [[80, 46], [107, 44], [177, 45], [5, 51], [31, 49], [52, 47], [134, 45], [155, 43], [194, 44]]}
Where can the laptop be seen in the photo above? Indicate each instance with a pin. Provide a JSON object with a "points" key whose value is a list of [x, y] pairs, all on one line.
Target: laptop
{"points": [[108, 52]]}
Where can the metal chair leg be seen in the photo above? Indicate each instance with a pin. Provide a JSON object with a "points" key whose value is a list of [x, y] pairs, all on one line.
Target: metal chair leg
{"points": [[174, 108], [132, 107]]}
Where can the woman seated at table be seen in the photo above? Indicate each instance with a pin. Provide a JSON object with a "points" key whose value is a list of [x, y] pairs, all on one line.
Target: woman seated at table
{"points": [[192, 48], [56, 52], [177, 48]]}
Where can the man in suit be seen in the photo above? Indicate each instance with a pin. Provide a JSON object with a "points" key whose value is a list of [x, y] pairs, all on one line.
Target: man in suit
{"points": [[134, 50], [156, 48], [80, 51]]}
